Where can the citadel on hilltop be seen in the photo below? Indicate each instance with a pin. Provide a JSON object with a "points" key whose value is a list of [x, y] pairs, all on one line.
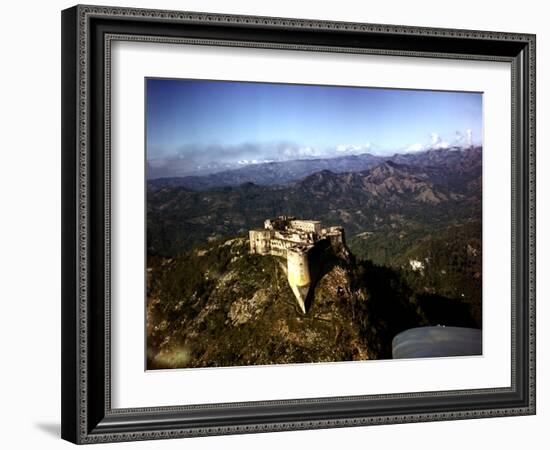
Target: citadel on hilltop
{"points": [[294, 240]]}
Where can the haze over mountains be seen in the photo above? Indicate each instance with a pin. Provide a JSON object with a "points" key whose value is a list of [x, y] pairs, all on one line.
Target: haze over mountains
{"points": [[283, 172], [271, 173]]}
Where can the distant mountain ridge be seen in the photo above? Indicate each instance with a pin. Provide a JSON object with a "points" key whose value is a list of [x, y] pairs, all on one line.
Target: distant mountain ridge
{"points": [[285, 172], [271, 173], [435, 189]]}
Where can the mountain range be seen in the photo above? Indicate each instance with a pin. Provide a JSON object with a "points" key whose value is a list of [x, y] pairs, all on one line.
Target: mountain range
{"points": [[270, 173], [434, 189], [284, 172]]}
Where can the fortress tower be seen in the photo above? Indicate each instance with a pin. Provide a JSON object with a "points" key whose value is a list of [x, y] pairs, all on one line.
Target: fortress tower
{"points": [[293, 240], [298, 275]]}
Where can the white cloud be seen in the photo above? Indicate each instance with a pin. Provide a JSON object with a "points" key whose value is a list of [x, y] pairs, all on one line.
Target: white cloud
{"points": [[354, 149], [415, 148], [301, 152], [437, 142], [469, 137], [465, 139], [308, 151], [289, 152], [246, 162], [156, 163], [342, 148]]}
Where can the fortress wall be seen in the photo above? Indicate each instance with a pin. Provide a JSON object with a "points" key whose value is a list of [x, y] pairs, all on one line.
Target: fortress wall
{"points": [[298, 268], [336, 236], [278, 251], [279, 223], [309, 226], [260, 241]]}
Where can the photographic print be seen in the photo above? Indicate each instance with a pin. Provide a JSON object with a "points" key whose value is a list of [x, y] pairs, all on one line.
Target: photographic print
{"points": [[291, 223]]}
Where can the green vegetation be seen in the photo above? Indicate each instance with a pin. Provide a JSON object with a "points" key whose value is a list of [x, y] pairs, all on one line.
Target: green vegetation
{"points": [[218, 305]]}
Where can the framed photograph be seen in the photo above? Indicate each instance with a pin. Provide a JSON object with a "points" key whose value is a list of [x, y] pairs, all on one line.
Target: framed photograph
{"points": [[279, 224]]}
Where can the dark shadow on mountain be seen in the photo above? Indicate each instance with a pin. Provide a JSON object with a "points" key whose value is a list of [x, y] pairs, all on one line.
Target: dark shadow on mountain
{"points": [[392, 306], [440, 310], [322, 260], [388, 310]]}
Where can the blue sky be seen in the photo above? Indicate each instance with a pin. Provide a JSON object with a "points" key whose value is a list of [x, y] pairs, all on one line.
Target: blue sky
{"points": [[200, 126]]}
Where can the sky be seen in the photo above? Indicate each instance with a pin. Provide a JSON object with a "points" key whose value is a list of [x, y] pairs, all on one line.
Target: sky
{"points": [[197, 127]]}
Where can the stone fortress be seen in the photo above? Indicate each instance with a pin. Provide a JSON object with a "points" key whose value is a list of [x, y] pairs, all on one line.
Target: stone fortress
{"points": [[296, 240]]}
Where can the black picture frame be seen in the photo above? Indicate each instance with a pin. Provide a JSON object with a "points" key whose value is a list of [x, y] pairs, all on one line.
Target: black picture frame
{"points": [[87, 416]]}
